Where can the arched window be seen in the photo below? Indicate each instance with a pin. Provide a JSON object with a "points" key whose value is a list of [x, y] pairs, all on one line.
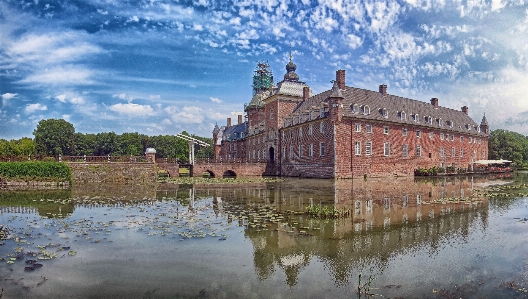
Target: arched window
{"points": [[366, 110], [384, 112], [355, 108], [403, 116]]}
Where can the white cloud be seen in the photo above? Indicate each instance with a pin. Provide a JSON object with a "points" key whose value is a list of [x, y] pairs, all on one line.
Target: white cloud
{"points": [[186, 115], [67, 75], [61, 98], [8, 96], [77, 100], [30, 108], [66, 117], [215, 100], [132, 109], [354, 41]]}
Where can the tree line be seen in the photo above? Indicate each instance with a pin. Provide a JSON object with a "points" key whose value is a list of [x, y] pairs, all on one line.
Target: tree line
{"points": [[508, 145], [57, 136]]}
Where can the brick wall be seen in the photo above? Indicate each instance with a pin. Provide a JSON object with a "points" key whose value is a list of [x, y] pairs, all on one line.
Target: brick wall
{"points": [[114, 172]]}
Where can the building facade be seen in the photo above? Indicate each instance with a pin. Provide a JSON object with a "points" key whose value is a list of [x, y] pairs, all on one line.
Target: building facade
{"points": [[348, 132]]}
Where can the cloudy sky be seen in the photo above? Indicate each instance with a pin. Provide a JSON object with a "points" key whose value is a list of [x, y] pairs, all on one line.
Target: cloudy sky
{"points": [[164, 66]]}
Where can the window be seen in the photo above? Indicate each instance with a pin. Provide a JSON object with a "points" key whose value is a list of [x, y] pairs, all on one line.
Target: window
{"points": [[461, 152], [310, 129], [403, 116], [368, 128], [358, 127], [431, 135], [291, 133], [429, 120], [355, 108], [418, 133], [404, 132], [283, 152], [321, 149], [368, 148], [461, 138], [452, 137], [418, 150], [291, 151], [386, 130], [300, 131], [271, 112], [453, 152], [282, 134], [300, 150], [386, 149], [442, 154], [479, 141], [470, 139], [416, 118], [474, 154], [441, 136], [384, 112], [405, 150], [357, 147], [321, 112], [311, 150], [449, 123], [321, 127], [483, 154], [366, 109], [439, 122]]}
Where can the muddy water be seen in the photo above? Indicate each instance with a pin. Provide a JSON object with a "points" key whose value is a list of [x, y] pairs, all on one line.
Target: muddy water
{"points": [[438, 238]]}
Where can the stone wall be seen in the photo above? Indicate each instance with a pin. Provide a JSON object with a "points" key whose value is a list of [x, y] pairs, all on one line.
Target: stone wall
{"points": [[121, 173]]}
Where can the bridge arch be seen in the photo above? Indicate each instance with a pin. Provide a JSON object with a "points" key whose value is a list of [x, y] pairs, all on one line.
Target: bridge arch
{"points": [[229, 174], [209, 173]]}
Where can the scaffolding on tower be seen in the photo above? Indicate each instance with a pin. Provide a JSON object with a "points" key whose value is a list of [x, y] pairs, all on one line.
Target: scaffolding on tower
{"points": [[262, 77]]}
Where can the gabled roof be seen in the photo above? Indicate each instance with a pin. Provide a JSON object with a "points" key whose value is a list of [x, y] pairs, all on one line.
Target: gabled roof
{"points": [[394, 105], [234, 132]]}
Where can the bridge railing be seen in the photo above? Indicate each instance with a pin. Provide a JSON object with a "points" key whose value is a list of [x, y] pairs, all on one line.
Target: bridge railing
{"points": [[230, 160], [80, 159]]}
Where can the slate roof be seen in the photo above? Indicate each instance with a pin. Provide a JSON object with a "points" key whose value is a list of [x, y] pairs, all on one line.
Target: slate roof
{"points": [[291, 88], [234, 132], [394, 105]]}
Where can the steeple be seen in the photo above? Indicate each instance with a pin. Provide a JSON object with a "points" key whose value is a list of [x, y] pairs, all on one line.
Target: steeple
{"points": [[484, 126], [290, 70]]}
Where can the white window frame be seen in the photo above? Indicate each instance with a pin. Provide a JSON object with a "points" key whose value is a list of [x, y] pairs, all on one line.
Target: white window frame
{"points": [[405, 150], [386, 130], [368, 148], [442, 152], [366, 110], [368, 128], [310, 129], [311, 150], [300, 150], [404, 131], [358, 127], [321, 127], [418, 150], [321, 149], [418, 133], [386, 149], [357, 148]]}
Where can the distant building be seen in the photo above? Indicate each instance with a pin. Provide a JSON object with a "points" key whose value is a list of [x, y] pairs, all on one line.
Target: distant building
{"points": [[347, 132]]}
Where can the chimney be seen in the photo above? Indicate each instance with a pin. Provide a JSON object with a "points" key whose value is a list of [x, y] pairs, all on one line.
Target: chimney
{"points": [[465, 110], [306, 93], [229, 122], [341, 79], [240, 119], [434, 102], [383, 89]]}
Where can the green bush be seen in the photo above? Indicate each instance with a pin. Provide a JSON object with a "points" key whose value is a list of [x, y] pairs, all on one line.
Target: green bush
{"points": [[35, 170]]}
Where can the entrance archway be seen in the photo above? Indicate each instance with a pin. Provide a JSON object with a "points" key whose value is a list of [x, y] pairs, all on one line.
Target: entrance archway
{"points": [[272, 155]]}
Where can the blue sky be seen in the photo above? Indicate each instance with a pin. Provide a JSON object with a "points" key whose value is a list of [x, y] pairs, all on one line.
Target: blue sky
{"points": [[162, 67]]}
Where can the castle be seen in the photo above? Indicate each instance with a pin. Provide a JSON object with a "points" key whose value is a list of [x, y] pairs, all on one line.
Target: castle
{"points": [[346, 132]]}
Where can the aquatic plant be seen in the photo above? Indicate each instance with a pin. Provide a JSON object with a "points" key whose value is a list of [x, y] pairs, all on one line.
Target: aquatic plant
{"points": [[324, 212]]}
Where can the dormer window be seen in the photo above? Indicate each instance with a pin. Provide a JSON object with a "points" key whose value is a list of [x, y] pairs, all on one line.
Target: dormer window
{"points": [[439, 122], [468, 126], [449, 123], [355, 108], [384, 112], [366, 110], [428, 120], [403, 116], [416, 118], [321, 112], [478, 129]]}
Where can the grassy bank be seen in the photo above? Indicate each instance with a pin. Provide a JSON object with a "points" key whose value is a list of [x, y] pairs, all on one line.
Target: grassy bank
{"points": [[35, 171]]}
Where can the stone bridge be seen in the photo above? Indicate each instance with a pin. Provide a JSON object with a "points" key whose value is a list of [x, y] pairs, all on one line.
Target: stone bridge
{"points": [[233, 169]]}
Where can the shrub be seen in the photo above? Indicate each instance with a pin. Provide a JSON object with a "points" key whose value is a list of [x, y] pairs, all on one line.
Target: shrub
{"points": [[35, 170]]}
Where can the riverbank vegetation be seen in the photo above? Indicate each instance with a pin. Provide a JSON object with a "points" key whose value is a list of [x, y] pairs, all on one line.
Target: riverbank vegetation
{"points": [[57, 136], [35, 171]]}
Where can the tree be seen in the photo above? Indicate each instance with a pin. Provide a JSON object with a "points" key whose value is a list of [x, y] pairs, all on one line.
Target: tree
{"points": [[54, 136], [508, 145]]}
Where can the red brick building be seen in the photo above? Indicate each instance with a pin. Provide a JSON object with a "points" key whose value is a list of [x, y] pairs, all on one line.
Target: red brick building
{"points": [[349, 132]]}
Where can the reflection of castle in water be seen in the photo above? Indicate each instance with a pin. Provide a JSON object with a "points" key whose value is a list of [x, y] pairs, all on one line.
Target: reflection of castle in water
{"points": [[389, 216]]}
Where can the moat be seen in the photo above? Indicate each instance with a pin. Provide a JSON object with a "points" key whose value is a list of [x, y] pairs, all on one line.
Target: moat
{"points": [[452, 237]]}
